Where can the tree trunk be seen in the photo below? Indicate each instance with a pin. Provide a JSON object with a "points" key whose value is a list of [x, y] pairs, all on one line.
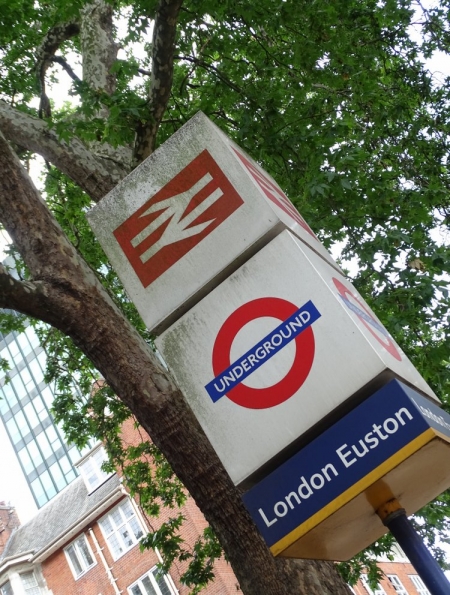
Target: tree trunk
{"points": [[66, 294]]}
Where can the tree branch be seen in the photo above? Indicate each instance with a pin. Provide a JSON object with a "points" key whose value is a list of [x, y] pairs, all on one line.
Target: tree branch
{"points": [[98, 47], [60, 60], [51, 42], [199, 62], [23, 296], [144, 72], [99, 53], [60, 279], [163, 46], [96, 176]]}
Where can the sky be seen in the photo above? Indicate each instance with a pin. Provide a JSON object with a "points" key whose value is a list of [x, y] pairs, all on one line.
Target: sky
{"points": [[13, 487]]}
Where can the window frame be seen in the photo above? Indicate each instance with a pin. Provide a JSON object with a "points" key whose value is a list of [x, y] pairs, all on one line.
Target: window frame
{"points": [[36, 586], [117, 528], [393, 579], [100, 475], [9, 590], [419, 585], [80, 557], [365, 583], [151, 574]]}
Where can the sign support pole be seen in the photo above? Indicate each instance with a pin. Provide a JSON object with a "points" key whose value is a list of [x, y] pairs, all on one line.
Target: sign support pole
{"points": [[395, 519]]}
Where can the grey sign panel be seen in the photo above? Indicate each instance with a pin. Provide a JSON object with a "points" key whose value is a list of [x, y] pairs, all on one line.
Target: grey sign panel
{"points": [[188, 216], [284, 343]]}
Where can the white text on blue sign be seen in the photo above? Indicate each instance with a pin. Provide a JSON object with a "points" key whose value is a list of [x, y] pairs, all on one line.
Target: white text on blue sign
{"points": [[358, 444]]}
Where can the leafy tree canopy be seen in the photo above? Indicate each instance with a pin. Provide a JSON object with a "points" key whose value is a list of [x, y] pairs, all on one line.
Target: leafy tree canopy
{"points": [[333, 98]]}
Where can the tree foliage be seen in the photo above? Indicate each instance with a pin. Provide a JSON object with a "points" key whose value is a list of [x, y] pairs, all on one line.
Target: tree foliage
{"points": [[333, 98]]}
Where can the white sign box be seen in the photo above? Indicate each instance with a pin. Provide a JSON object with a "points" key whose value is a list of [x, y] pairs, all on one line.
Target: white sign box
{"points": [[188, 216], [276, 348]]}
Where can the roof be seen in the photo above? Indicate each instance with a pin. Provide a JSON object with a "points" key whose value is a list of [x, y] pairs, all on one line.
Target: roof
{"points": [[59, 517]]}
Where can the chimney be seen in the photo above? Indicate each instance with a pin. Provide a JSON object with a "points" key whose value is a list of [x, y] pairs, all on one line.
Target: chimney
{"points": [[8, 522]]}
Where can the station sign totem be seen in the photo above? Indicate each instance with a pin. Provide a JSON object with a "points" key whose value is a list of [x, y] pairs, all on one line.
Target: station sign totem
{"points": [[275, 351]]}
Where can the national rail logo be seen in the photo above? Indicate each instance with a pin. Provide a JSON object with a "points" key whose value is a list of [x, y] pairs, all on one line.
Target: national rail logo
{"points": [[177, 218], [274, 193], [296, 326]]}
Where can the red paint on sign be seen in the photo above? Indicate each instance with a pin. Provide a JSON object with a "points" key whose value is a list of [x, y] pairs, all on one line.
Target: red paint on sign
{"points": [[262, 398], [177, 218], [274, 192]]}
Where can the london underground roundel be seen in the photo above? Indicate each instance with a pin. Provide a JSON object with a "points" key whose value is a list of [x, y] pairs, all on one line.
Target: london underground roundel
{"points": [[366, 317], [296, 325]]}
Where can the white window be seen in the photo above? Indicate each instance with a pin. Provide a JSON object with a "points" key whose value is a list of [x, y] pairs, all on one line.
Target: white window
{"points": [[152, 583], [6, 589], [91, 469], [121, 529], [30, 584], [79, 556], [378, 591], [418, 583], [396, 583]]}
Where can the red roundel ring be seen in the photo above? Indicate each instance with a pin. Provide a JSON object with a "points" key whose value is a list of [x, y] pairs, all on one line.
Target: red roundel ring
{"points": [[263, 398]]}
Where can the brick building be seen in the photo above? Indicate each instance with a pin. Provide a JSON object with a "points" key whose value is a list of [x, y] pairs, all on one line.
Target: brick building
{"points": [[85, 541], [400, 578], [85, 538]]}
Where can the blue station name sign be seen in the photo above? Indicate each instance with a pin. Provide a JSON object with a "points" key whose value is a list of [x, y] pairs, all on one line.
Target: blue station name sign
{"points": [[354, 454]]}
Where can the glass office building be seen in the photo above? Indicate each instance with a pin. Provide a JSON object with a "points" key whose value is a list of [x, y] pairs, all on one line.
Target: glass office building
{"points": [[40, 446]]}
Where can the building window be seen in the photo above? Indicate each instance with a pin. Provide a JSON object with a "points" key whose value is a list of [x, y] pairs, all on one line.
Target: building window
{"points": [[121, 529], [80, 556], [378, 591], [152, 583], [418, 583], [396, 583], [30, 584], [91, 469], [6, 589]]}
